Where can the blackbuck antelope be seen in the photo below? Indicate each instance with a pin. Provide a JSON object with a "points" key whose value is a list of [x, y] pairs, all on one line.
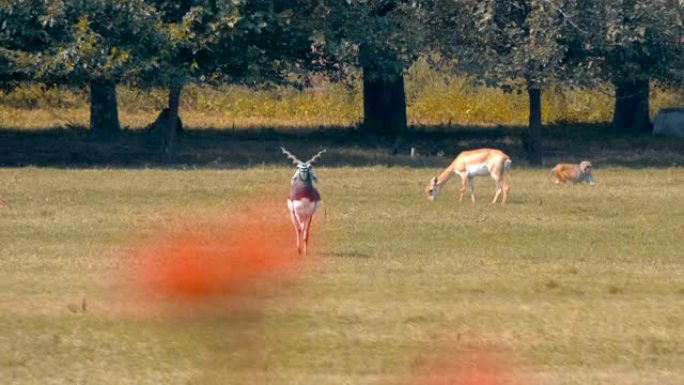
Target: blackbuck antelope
{"points": [[304, 198], [573, 173], [469, 164]]}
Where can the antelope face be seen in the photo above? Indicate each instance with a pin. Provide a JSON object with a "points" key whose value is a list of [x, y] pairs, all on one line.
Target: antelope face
{"points": [[304, 172], [432, 189], [585, 168]]}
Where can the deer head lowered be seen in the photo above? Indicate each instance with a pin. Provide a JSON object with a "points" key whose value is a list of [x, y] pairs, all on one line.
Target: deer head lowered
{"points": [[469, 164], [304, 199]]}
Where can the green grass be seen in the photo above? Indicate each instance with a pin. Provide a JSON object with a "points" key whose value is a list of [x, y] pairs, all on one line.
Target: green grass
{"points": [[580, 285]]}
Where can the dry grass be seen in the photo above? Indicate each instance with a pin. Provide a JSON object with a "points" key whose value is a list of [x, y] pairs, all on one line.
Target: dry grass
{"points": [[433, 99], [579, 285], [202, 107]]}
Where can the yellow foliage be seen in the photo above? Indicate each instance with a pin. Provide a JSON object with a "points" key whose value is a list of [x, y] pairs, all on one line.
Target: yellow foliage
{"points": [[432, 99]]}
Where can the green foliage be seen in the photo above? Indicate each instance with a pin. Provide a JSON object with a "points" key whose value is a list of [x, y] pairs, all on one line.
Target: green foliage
{"points": [[630, 40], [382, 37], [23, 32], [573, 40], [500, 42], [189, 28], [231, 41], [103, 41]]}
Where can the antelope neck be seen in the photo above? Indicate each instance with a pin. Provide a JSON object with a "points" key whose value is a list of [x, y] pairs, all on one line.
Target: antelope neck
{"points": [[446, 175], [303, 189]]}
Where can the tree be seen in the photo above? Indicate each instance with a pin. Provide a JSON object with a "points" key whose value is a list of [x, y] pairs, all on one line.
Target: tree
{"points": [[631, 43], [23, 33], [513, 44], [99, 43], [382, 38], [187, 26], [249, 42]]}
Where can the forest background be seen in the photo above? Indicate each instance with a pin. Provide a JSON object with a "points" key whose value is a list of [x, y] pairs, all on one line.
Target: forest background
{"points": [[381, 68]]}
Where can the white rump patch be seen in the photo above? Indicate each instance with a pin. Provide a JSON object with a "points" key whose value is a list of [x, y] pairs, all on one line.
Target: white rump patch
{"points": [[477, 169]]}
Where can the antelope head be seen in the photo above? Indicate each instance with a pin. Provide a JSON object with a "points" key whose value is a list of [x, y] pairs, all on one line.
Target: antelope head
{"points": [[585, 169], [304, 169], [432, 188]]}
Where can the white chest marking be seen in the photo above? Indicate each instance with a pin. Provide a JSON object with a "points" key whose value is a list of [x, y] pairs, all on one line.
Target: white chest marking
{"points": [[477, 169]]}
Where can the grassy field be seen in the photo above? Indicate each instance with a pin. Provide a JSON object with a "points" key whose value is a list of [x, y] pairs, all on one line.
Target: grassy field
{"points": [[571, 284]]}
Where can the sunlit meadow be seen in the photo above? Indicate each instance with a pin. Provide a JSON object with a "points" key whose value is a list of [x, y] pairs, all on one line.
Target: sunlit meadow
{"points": [[577, 285], [565, 285]]}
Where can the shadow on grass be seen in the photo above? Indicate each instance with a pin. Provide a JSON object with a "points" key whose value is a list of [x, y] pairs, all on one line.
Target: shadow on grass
{"points": [[434, 147]]}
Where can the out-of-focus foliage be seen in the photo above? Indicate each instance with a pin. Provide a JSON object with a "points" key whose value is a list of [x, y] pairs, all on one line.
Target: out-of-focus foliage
{"points": [[235, 41], [271, 43], [501, 41], [24, 31], [156, 42], [381, 36], [629, 39], [100, 40], [580, 41]]}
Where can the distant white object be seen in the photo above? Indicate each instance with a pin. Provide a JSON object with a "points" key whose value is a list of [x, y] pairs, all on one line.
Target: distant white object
{"points": [[669, 122]]}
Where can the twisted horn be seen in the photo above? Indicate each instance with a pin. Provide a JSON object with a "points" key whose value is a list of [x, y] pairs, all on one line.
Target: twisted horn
{"points": [[290, 156], [313, 159]]}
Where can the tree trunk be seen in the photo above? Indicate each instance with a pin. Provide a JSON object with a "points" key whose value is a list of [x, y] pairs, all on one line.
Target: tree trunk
{"points": [[534, 150], [631, 106], [171, 127], [384, 104], [104, 113]]}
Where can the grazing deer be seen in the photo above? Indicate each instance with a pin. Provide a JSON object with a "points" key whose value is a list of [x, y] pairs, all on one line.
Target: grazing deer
{"points": [[573, 173], [469, 164], [304, 198]]}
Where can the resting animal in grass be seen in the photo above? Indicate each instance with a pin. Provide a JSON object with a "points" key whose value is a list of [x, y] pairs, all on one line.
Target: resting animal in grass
{"points": [[469, 164], [573, 173]]}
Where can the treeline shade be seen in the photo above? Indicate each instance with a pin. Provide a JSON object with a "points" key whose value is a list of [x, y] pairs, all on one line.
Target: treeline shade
{"points": [[517, 45]]}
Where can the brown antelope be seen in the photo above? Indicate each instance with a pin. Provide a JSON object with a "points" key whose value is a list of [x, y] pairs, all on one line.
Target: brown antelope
{"points": [[304, 198], [573, 173], [469, 164]]}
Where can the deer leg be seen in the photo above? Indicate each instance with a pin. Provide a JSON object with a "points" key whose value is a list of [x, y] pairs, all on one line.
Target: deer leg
{"points": [[496, 196], [307, 229], [505, 192], [299, 241], [464, 182], [295, 223], [471, 188], [499, 189]]}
